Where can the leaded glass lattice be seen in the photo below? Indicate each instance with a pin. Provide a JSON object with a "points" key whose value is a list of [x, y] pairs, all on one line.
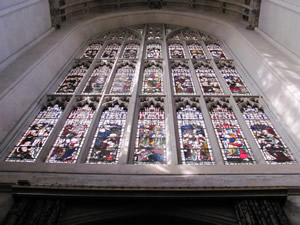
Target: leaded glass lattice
{"points": [[106, 144], [153, 51], [196, 51], [216, 51], [72, 80], [32, 142], [234, 146], [123, 80], [111, 51], [153, 81], [194, 143], [176, 51], [69, 142], [131, 51], [151, 138], [270, 143], [91, 51], [182, 80]]}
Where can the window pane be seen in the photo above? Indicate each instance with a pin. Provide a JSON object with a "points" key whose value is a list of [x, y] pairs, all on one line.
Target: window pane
{"points": [[152, 83], [131, 51], [196, 51], [123, 80], [111, 51], [176, 51], [182, 80], [91, 51], [216, 51], [154, 51]]}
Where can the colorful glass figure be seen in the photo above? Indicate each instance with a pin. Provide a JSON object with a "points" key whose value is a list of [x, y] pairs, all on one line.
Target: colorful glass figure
{"points": [[123, 80], [106, 144], [154, 51], [196, 51], [97, 80], [231, 140], [182, 80], [32, 142], [151, 138], [72, 80], [153, 83], [216, 51], [194, 143], [68, 144], [268, 140], [111, 51], [208, 81], [91, 51], [234, 81], [131, 51], [176, 51]]}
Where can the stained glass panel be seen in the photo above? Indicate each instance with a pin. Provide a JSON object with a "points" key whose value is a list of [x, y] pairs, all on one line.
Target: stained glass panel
{"points": [[97, 80], [268, 140], [182, 80], [111, 51], [216, 51], [189, 35], [232, 142], [123, 80], [208, 81], [154, 51], [234, 81], [131, 51], [205, 37], [118, 35], [153, 83], [151, 138], [154, 32], [176, 51], [72, 80], [194, 143], [69, 142], [196, 51], [32, 142], [91, 51], [106, 144]]}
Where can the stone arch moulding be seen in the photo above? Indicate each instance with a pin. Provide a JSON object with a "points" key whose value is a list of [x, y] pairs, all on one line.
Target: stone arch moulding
{"points": [[75, 35]]}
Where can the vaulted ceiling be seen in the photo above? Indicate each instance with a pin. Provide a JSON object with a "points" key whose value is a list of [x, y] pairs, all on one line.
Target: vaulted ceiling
{"points": [[63, 10]]}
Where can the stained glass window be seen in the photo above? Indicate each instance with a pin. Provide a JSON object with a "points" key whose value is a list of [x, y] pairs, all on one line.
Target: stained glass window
{"points": [[111, 51], [194, 143], [154, 32], [97, 80], [72, 80], [182, 80], [131, 51], [270, 143], [208, 81], [32, 142], [216, 51], [69, 142], [91, 51], [205, 37], [196, 51], [123, 80], [153, 82], [232, 142], [151, 138], [234, 81], [106, 144], [118, 35], [176, 51], [176, 36], [189, 35], [154, 51]]}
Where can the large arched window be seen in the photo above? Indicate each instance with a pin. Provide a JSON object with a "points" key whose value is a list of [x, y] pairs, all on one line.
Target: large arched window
{"points": [[153, 94]]}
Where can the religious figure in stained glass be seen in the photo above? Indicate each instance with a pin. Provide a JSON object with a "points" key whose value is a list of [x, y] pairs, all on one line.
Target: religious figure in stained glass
{"points": [[68, 144], [72, 80], [154, 51], [270, 143], [152, 83], [208, 81], [32, 142], [176, 51], [91, 51], [97, 80], [196, 51], [231, 140], [106, 143], [151, 138], [194, 143], [216, 51], [131, 51], [234, 81], [182, 80], [123, 80], [111, 51]]}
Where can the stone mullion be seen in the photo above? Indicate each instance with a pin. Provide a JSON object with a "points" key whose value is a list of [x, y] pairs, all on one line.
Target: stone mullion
{"points": [[205, 49], [172, 148], [220, 78], [127, 147]]}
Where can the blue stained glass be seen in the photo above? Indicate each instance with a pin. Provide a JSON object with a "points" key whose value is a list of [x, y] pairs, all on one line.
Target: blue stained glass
{"points": [[182, 80], [131, 51], [216, 51]]}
